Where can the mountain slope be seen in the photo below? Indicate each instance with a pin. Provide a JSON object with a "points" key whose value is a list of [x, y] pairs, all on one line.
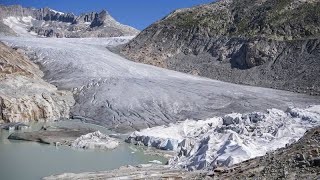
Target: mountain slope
{"points": [[50, 23], [269, 43], [24, 96]]}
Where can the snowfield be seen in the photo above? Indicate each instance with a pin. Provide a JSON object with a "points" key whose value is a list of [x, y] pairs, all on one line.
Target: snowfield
{"points": [[19, 25], [224, 141], [125, 96]]}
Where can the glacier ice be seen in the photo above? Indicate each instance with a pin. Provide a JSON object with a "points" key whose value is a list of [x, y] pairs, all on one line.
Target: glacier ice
{"points": [[125, 96], [95, 140], [224, 141]]}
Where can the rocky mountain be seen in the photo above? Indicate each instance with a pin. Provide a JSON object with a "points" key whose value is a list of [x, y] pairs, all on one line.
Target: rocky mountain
{"points": [[47, 22], [269, 43], [24, 96]]}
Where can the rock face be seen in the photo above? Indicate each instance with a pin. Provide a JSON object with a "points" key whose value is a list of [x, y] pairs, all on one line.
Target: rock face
{"points": [[224, 141], [24, 96], [269, 43], [50, 23]]}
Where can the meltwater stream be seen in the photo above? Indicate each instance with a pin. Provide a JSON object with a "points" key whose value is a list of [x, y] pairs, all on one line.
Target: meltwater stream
{"points": [[31, 160]]}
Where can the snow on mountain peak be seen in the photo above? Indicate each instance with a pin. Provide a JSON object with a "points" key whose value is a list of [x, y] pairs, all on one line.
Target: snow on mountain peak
{"points": [[57, 12]]}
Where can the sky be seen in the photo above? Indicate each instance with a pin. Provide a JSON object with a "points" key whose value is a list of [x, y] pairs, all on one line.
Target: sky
{"points": [[136, 13]]}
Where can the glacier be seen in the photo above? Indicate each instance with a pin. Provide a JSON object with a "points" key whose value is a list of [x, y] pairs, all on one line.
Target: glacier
{"points": [[126, 96], [230, 139]]}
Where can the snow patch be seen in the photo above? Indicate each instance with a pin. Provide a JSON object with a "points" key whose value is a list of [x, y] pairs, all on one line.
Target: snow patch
{"points": [[20, 25], [57, 12]]}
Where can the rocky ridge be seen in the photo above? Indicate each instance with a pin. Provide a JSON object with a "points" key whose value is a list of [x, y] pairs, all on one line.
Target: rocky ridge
{"points": [[47, 22], [268, 43], [24, 96]]}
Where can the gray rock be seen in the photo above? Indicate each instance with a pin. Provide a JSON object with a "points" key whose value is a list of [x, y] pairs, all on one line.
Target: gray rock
{"points": [[145, 171], [303, 164], [231, 119], [259, 43], [300, 157], [315, 161], [255, 117], [51, 135]]}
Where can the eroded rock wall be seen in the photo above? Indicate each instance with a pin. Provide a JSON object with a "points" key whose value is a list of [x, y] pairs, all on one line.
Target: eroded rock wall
{"points": [[24, 96]]}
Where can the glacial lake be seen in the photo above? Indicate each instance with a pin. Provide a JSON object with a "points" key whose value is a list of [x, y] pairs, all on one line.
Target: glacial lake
{"points": [[30, 160]]}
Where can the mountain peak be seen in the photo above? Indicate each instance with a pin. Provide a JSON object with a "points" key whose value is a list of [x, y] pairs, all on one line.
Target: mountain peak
{"points": [[52, 23]]}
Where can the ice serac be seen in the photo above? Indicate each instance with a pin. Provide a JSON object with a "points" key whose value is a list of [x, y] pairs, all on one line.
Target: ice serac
{"points": [[267, 43], [46, 22], [24, 96], [125, 96], [299, 160], [228, 140]]}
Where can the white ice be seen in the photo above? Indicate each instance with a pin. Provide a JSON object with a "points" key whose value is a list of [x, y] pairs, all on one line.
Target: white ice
{"points": [[57, 12], [214, 142]]}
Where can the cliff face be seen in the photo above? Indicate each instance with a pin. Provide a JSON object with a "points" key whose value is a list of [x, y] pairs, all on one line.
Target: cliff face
{"points": [[50, 23], [24, 96], [269, 43]]}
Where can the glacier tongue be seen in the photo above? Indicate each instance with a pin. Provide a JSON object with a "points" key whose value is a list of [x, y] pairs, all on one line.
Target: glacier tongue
{"points": [[126, 96], [224, 141]]}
